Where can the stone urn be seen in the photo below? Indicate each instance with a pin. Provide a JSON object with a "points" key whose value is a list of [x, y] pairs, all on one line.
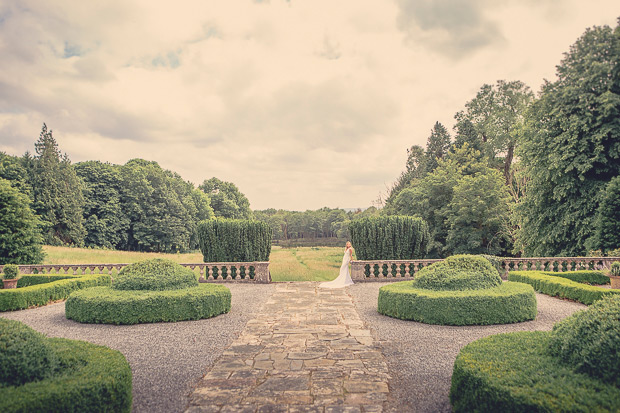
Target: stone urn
{"points": [[12, 283]]}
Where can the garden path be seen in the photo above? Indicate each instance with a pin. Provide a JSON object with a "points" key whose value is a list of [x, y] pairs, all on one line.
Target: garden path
{"points": [[307, 350]]}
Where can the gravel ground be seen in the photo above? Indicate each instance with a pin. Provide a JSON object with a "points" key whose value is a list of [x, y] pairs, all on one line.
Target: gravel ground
{"points": [[167, 359], [420, 356]]}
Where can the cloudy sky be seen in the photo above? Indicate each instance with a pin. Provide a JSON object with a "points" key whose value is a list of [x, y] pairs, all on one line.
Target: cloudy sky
{"points": [[300, 103]]}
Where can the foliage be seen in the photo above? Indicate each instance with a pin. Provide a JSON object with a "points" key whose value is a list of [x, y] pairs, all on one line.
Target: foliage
{"points": [[584, 276], [224, 240], [607, 233], [108, 306], [57, 191], [571, 147], [15, 170], [38, 295], [26, 280], [615, 269], [389, 238], [561, 287], [514, 373], [437, 146], [20, 239], [589, 341], [155, 275], [321, 223], [25, 354], [506, 303], [90, 378], [458, 272], [226, 199], [11, 271]]}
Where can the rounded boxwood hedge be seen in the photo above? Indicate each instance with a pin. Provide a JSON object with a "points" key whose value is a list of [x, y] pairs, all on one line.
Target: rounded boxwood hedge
{"points": [[156, 275], [507, 303], [589, 341], [108, 306], [515, 372], [461, 290], [85, 378]]}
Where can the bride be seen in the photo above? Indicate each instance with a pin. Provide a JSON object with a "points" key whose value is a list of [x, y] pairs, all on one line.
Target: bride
{"points": [[344, 279]]}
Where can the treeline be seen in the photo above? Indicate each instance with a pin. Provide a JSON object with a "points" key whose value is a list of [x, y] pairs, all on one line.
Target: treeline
{"points": [[320, 223], [137, 206], [525, 175]]}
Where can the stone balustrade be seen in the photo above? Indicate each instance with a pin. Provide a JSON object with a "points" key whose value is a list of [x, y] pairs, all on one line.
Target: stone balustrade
{"points": [[257, 272], [397, 270]]}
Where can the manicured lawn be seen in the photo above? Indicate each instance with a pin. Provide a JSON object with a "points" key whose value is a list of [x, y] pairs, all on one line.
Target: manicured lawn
{"points": [[286, 264]]}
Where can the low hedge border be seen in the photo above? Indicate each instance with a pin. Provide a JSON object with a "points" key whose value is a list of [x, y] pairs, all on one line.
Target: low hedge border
{"points": [[513, 373], [42, 294], [584, 277], [26, 280], [90, 378], [103, 305], [507, 303], [555, 286]]}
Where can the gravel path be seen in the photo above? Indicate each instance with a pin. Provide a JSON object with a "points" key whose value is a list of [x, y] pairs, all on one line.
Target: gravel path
{"points": [[167, 359], [420, 356]]}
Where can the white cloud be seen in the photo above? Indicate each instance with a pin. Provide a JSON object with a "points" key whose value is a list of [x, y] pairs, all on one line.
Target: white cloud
{"points": [[301, 104]]}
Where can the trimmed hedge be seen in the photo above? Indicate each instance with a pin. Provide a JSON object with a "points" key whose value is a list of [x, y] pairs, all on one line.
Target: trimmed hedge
{"points": [[157, 274], [42, 294], [108, 306], [514, 373], [27, 280], [25, 354], [560, 287], [458, 272], [584, 276], [389, 238], [507, 303], [230, 240], [89, 378], [589, 341]]}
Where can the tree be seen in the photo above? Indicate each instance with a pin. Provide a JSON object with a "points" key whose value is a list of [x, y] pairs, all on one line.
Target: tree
{"points": [[20, 237], [571, 147], [57, 193], [12, 169], [497, 114], [226, 199], [607, 235], [437, 146]]}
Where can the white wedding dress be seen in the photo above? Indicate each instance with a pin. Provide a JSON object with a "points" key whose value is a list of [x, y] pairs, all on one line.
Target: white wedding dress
{"points": [[344, 278]]}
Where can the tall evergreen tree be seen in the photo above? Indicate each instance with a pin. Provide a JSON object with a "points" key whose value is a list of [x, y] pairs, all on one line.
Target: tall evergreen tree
{"points": [[571, 147], [57, 193], [437, 146], [607, 235]]}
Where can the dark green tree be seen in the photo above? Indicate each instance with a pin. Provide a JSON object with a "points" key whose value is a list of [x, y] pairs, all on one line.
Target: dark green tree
{"points": [[437, 146], [571, 147], [226, 199], [607, 235], [20, 237], [57, 193], [13, 170]]}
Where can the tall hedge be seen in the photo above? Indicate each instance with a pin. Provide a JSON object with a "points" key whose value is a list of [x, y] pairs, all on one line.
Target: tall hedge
{"points": [[389, 238], [231, 240]]}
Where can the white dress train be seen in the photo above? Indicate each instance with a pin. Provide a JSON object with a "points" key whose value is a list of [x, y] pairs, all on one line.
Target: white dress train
{"points": [[344, 279]]}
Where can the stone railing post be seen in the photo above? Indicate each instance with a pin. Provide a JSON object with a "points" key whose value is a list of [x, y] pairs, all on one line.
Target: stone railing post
{"points": [[357, 271], [261, 272]]}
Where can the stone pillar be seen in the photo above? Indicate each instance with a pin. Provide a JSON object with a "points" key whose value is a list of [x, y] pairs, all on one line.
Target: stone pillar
{"points": [[261, 272], [357, 271]]}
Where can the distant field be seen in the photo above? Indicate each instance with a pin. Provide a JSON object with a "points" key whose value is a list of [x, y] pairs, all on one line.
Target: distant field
{"points": [[286, 264]]}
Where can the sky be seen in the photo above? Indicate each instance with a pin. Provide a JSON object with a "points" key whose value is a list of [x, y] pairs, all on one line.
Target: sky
{"points": [[300, 103]]}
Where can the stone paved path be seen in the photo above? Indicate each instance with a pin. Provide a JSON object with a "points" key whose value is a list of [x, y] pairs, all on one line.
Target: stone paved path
{"points": [[306, 351]]}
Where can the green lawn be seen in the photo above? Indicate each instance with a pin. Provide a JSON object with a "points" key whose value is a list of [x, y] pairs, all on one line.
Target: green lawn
{"points": [[286, 264]]}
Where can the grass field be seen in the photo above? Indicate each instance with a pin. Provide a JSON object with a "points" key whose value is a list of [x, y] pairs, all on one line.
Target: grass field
{"points": [[286, 264]]}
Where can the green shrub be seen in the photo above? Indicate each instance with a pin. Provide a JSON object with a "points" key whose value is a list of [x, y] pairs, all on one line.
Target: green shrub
{"points": [[25, 354], [228, 240], [495, 261], [506, 303], [615, 269], [89, 378], [561, 287], [389, 238], [156, 275], [37, 295], [584, 276], [459, 272], [109, 306], [514, 373], [26, 280], [589, 340], [10, 271]]}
